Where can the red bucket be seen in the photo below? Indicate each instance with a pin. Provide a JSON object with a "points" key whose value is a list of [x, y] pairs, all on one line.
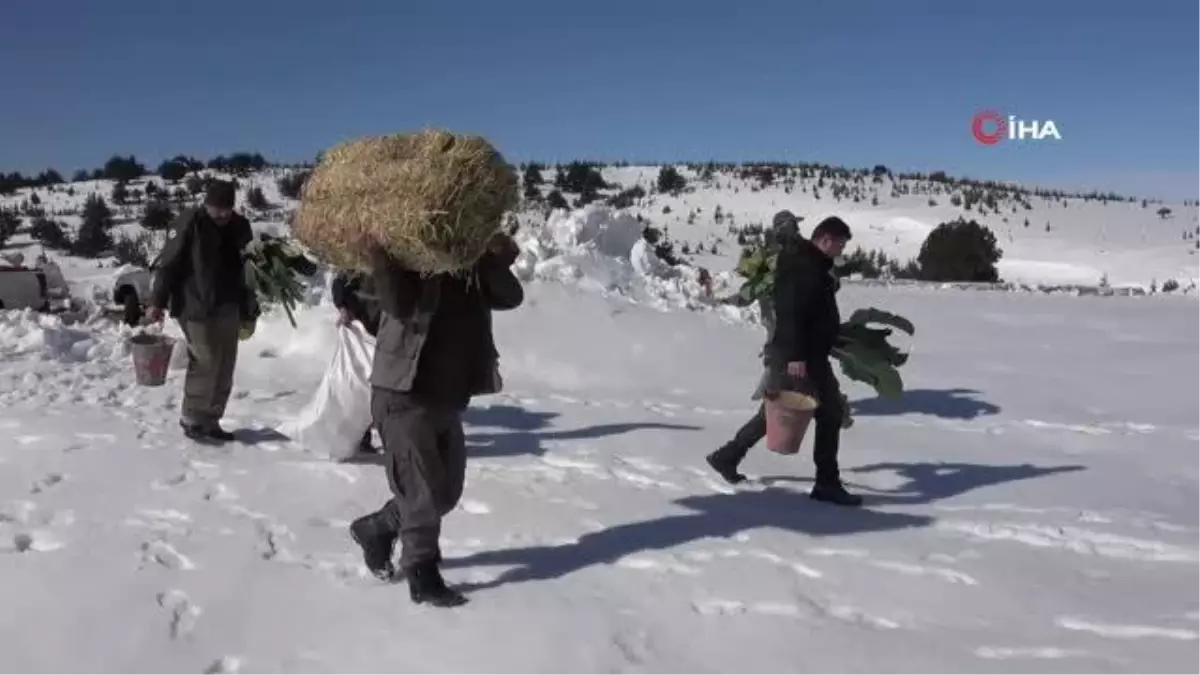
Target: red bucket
{"points": [[151, 358], [788, 416]]}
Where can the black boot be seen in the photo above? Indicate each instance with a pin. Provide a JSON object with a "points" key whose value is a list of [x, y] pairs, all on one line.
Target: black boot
{"points": [[425, 585], [197, 433], [364, 445], [725, 468], [216, 433], [834, 493], [377, 542]]}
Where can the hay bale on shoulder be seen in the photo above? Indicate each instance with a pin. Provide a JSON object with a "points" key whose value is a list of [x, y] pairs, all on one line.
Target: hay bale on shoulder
{"points": [[431, 199]]}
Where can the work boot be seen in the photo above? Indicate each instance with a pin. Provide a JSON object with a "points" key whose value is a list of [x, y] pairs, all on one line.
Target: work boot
{"points": [[725, 468], [365, 447], [377, 542], [425, 585], [834, 493], [216, 433], [197, 433]]}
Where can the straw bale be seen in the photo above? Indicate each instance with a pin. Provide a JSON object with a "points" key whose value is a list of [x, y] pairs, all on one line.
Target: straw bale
{"points": [[432, 199]]}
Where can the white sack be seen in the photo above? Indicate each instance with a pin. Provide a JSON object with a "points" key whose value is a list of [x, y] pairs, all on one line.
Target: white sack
{"points": [[334, 421]]}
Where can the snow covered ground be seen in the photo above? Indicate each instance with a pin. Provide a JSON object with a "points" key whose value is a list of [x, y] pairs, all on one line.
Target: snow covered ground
{"points": [[1031, 502]]}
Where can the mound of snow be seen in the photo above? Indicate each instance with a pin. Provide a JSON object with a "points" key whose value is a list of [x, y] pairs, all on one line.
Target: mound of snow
{"points": [[601, 249], [26, 333]]}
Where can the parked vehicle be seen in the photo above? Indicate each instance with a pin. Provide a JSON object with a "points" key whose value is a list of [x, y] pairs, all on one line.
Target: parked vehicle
{"points": [[23, 288], [131, 290]]}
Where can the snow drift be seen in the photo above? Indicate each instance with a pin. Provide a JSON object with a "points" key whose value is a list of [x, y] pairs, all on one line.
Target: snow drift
{"points": [[602, 249]]}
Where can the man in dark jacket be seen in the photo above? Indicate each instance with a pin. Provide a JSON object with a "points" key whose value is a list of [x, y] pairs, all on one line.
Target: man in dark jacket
{"points": [[201, 281], [805, 333], [434, 352], [355, 299]]}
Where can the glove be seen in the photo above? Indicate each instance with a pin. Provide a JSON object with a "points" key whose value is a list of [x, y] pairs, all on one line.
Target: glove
{"points": [[246, 331]]}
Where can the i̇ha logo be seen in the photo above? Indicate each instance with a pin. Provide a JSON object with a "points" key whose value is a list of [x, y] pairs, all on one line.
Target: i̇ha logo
{"points": [[991, 126]]}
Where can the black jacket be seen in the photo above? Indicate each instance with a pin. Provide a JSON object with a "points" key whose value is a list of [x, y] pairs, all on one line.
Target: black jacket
{"points": [[201, 267], [806, 311], [435, 334], [355, 293]]}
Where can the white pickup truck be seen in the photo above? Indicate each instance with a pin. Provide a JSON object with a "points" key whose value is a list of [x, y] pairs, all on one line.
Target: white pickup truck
{"points": [[131, 290]]}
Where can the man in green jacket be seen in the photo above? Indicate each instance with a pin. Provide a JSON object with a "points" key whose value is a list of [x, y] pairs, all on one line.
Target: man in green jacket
{"points": [[434, 351], [200, 280]]}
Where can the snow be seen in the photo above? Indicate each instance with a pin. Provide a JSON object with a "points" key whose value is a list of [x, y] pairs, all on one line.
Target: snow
{"points": [[1039, 474], [602, 249], [1031, 500]]}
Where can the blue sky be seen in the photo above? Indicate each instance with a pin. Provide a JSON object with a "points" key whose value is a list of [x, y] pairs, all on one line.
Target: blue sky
{"points": [[858, 82]]}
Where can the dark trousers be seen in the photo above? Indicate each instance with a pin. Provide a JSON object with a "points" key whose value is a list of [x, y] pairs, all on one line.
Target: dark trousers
{"points": [[827, 435], [426, 463], [212, 357]]}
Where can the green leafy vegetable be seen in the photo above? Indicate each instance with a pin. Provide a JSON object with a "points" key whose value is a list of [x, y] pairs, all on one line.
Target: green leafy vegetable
{"points": [[273, 268]]}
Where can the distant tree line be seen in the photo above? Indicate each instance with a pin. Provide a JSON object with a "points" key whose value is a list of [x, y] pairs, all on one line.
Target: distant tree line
{"points": [[125, 168]]}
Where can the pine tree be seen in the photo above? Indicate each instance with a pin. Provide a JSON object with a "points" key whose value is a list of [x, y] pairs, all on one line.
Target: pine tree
{"points": [[95, 233]]}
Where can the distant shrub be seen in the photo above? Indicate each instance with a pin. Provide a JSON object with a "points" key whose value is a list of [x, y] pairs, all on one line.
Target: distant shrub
{"points": [[256, 200], [960, 250], [670, 180], [10, 222], [194, 184], [94, 238], [157, 215], [51, 234], [138, 251], [1170, 286], [555, 200], [627, 198], [123, 169], [580, 178], [291, 185], [80, 176], [172, 170], [239, 163], [120, 193]]}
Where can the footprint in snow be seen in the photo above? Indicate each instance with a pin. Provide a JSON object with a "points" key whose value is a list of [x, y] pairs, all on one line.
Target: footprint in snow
{"points": [[164, 554], [183, 613], [35, 541]]}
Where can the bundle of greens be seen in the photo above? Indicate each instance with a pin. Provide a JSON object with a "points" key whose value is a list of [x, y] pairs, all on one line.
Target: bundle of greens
{"points": [[273, 269], [758, 269], [865, 353]]}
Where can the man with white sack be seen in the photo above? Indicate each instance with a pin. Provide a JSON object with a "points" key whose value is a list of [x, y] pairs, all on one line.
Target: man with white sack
{"points": [[435, 351]]}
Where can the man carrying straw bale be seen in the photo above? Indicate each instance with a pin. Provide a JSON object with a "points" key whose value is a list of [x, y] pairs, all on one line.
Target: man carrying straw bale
{"points": [[353, 294], [423, 213], [201, 280]]}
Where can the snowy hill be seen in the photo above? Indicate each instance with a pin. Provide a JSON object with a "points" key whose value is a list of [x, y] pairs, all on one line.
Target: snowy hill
{"points": [[1046, 237], [1030, 501]]}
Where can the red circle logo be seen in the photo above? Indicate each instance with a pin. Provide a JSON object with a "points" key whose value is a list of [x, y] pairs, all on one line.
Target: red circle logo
{"points": [[989, 126]]}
